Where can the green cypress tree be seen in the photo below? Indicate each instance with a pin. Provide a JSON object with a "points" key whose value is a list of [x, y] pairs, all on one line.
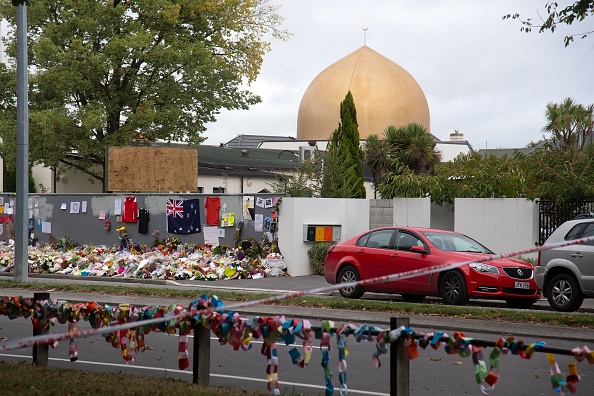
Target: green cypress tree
{"points": [[343, 167]]}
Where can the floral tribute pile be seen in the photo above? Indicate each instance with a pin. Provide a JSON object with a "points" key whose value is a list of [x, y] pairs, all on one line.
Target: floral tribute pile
{"points": [[166, 260]]}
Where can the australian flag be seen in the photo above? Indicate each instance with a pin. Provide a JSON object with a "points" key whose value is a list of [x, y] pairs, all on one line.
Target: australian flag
{"points": [[183, 217]]}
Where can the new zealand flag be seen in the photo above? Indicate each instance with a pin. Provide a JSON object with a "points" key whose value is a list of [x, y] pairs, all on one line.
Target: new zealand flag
{"points": [[183, 217]]}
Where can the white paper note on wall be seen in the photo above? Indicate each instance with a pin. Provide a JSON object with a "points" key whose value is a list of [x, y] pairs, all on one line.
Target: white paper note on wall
{"points": [[211, 236]]}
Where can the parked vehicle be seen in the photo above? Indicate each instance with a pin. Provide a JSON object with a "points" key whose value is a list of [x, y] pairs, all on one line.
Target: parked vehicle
{"points": [[566, 274], [390, 250]]}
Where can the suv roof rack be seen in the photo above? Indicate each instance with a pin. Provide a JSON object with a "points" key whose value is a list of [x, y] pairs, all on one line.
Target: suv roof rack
{"points": [[586, 215]]}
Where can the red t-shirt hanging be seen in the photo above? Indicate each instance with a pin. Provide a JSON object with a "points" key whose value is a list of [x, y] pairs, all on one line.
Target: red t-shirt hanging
{"points": [[212, 205], [130, 212]]}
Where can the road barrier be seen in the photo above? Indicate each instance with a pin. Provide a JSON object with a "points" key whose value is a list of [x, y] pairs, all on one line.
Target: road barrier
{"points": [[125, 326]]}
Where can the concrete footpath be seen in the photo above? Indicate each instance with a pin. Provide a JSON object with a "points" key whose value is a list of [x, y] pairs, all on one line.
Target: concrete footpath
{"points": [[285, 284]]}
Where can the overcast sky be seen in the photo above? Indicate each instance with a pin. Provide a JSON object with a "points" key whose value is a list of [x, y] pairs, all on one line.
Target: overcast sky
{"points": [[480, 74]]}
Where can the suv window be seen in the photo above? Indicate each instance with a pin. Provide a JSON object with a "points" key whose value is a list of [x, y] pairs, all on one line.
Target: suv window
{"points": [[574, 232], [583, 230]]}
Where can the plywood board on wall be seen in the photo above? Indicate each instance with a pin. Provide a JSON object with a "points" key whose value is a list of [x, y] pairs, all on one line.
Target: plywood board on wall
{"points": [[152, 169]]}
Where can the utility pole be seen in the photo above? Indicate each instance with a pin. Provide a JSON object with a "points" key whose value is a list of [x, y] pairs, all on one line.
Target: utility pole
{"points": [[21, 232]]}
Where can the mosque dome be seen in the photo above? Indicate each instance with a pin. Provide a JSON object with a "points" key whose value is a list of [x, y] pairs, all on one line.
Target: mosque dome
{"points": [[384, 93]]}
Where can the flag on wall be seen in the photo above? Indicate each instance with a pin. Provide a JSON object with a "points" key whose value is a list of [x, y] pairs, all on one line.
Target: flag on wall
{"points": [[183, 217]]}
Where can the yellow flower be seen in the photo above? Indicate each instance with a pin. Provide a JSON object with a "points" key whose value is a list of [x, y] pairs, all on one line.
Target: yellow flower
{"points": [[123, 228]]}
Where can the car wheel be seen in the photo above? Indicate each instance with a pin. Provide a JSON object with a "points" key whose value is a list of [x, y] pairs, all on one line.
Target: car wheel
{"points": [[520, 303], [412, 298], [350, 274], [564, 294], [453, 289]]}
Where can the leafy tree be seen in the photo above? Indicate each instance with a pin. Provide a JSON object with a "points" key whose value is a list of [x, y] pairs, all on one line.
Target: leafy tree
{"points": [[403, 182], [303, 184], [473, 176], [468, 176], [414, 146], [560, 175], [570, 124], [343, 167], [576, 12], [109, 73]]}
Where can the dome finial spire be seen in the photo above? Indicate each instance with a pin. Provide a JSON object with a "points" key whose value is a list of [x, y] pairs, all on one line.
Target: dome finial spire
{"points": [[364, 36]]}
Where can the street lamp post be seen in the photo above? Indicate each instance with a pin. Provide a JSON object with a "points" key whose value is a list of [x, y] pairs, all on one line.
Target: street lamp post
{"points": [[21, 232]]}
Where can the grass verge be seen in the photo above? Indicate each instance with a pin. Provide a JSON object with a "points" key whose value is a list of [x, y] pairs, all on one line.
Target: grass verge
{"points": [[29, 380]]}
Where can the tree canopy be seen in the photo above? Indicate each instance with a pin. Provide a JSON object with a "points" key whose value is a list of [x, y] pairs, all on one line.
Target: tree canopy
{"points": [[562, 169], [555, 16], [109, 73]]}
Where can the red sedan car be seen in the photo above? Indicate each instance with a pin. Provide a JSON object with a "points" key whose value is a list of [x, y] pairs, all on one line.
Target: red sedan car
{"points": [[389, 250]]}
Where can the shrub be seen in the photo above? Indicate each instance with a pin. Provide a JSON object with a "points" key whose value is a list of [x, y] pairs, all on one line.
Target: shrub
{"points": [[317, 255]]}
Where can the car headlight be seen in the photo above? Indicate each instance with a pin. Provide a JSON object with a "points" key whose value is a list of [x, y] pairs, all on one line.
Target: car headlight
{"points": [[480, 267]]}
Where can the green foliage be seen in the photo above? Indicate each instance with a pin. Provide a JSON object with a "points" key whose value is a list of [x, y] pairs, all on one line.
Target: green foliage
{"points": [[317, 255], [576, 12], [64, 243], [129, 72], [560, 175], [343, 167], [10, 180], [546, 173]]}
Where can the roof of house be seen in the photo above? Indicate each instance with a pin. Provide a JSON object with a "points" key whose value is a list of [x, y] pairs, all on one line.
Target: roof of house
{"points": [[254, 141], [239, 159], [501, 152]]}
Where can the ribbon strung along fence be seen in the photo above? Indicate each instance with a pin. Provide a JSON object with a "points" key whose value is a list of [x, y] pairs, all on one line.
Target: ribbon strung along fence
{"points": [[125, 327]]}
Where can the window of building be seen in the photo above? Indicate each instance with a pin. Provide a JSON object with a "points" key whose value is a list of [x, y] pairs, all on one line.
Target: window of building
{"points": [[218, 190]]}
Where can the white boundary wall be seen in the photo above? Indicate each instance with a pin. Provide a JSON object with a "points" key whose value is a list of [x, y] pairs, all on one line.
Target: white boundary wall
{"points": [[420, 212], [504, 225], [351, 214]]}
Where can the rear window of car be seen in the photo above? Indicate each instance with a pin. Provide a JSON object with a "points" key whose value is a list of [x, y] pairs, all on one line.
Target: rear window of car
{"points": [[574, 232], [583, 230], [376, 239]]}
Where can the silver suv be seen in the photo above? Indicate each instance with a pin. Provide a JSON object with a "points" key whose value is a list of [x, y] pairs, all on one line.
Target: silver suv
{"points": [[566, 274]]}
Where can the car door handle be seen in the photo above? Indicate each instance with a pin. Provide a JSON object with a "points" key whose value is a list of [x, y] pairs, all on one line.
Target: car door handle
{"points": [[578, 254], [361, 251], [394, 255]]}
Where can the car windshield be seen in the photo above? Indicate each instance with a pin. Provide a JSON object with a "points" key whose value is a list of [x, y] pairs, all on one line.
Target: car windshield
{"points": [[455, 242]]}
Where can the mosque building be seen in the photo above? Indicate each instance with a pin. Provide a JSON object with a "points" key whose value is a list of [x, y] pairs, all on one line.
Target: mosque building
{"points": [[384, 93]]}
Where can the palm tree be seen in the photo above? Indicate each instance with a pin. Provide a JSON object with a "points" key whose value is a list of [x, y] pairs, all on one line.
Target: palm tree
{"points": [[413, 146], [377, 157], [570, 124]]}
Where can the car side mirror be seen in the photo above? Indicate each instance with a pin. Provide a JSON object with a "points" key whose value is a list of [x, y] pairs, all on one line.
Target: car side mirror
{"points": [[418, 249]]}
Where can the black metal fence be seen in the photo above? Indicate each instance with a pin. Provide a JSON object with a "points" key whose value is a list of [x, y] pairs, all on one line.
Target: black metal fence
{"points": [[551, 215]]}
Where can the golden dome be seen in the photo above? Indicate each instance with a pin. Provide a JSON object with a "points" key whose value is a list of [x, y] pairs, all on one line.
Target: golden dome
{"points": [[385, 94]]}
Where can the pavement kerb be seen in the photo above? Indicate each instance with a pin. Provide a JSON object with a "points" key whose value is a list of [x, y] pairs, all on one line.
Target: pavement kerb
{"points": [[417, 322]]}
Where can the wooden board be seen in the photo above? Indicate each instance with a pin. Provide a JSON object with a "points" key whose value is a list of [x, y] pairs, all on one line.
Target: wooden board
{"points": [[152, 169]]}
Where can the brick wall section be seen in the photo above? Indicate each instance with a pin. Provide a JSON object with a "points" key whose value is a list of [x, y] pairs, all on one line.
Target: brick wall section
{"points": [[381, 213]]}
